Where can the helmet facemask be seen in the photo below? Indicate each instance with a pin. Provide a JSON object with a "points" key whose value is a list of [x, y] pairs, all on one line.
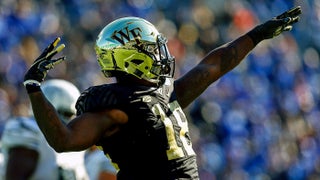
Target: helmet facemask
{"points": [[133, 46], [163, 62]]}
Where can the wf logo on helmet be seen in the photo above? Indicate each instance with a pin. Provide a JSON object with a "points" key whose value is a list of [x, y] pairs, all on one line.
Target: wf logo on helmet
{"points": [[123, 36]]}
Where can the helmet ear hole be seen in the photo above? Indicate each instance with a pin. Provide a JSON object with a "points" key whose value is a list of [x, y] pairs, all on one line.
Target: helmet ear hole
{"points": [[137, 61]]}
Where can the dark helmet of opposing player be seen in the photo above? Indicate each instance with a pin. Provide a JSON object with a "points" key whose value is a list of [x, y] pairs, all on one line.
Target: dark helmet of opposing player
{"points": [[134, 46], [63, 96]]}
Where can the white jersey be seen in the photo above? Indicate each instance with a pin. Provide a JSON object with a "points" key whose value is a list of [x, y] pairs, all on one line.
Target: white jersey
{"points": [[1, 163], [72, 164], [96, 162], [23, 131]]}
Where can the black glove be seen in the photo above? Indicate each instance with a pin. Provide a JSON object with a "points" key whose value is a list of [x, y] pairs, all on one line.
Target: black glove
{"points": [[38, 70], [275, 26]]}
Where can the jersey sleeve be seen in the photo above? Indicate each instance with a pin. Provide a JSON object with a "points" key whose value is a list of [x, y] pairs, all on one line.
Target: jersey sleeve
{"points": [[21, 132]]}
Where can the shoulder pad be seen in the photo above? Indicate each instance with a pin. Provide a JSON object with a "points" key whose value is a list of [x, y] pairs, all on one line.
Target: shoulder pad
{"points": [[96, 98], [21, 131]]}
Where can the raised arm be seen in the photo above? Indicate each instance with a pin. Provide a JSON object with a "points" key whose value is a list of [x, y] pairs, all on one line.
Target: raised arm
{"points": [[226, 57], [83, 131]]}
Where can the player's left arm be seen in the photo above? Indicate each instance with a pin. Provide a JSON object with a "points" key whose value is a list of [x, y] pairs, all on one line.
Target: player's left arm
{"points": [[218, 62], [226, 57]]}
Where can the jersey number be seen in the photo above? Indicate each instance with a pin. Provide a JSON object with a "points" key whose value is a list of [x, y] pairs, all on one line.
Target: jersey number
{"points": [[177, 131]]}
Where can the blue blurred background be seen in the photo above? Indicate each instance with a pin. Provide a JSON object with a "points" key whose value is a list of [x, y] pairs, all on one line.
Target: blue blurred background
{"points": [[259, 122]]}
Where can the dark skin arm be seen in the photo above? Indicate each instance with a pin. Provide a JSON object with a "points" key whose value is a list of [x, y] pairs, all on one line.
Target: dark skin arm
{"points": [[223, 59], [217, 63], [22, 163], [81, 133]]}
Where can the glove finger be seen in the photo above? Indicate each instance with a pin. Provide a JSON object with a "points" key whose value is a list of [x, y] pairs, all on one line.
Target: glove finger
{"points": [[38, 61], [287, 28], [290, 13], [287, 20], [295, 12], [44, 53], [49, 48], [294, 20], [54, 44], [57, 50], [54, 62], [42, 62]]}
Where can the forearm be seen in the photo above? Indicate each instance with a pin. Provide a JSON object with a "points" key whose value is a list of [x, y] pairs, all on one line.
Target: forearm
{"points": [[224, 58], [228, 56], [217, 63], [48, 120]]}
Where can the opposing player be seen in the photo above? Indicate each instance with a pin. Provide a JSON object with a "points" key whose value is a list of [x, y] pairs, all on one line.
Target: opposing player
{"points": [[26, 152], [98, 166], [138, 121]]}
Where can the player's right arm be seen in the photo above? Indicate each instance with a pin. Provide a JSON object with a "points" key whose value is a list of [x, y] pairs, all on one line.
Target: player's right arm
{"points": [[83, 131]]}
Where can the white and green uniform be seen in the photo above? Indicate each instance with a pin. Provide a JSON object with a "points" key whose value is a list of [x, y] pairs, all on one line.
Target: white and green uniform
{"points": [[24, 132]]}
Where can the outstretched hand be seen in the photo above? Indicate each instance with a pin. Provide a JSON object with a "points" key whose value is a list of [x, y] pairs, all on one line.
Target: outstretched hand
{"points": [[38, 70], [276, 25]]}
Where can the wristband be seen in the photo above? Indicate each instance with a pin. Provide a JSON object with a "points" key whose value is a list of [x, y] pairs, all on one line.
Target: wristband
{"points": [[32, 86]]}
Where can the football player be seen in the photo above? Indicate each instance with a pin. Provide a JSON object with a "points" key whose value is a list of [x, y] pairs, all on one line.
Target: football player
{"points": [[139, 121]]}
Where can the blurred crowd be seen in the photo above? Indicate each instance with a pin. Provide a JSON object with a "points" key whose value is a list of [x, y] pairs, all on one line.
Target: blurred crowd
{"points": [[257, 122]]}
